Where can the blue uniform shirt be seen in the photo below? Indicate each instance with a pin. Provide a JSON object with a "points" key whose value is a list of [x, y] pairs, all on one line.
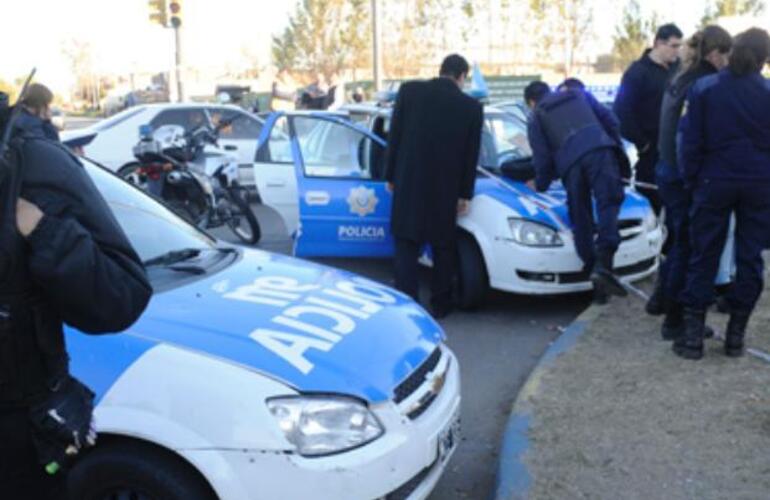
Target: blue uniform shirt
{"points": [[725, 131]]}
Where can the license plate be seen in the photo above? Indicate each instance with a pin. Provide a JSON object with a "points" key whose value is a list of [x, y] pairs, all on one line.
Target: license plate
{"points": [[449, 437]]}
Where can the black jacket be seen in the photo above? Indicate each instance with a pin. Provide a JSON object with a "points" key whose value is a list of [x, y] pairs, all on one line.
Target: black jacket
{"points": [[78, 255], [637, 104], [432, 155], [587, 126], [671, 110]]}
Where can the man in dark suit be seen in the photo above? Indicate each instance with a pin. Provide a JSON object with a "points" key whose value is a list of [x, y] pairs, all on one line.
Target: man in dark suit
{"points": [[433, 150]]}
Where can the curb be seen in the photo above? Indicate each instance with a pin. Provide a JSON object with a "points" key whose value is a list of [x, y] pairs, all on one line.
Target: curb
{"points": [[513, 479]]}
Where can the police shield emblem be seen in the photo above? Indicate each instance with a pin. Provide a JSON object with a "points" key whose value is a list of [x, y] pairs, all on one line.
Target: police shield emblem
{"points": [[362, 201]]}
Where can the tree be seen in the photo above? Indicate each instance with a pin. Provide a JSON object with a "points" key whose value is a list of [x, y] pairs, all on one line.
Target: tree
{"points": [[323, 36], [725, 8], [632, 35], [561, 28], [10, 89]]}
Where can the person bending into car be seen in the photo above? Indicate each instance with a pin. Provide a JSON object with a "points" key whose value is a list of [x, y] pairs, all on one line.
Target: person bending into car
{"points": [[574, 137], [433, 149], [63, 259]]}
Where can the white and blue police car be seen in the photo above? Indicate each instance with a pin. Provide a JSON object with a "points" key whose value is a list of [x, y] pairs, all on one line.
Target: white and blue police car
{"points": [[257, 376], [323, 173]]}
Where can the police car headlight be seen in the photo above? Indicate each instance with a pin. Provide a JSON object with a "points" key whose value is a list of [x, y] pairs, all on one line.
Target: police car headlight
{"points": [[324, 425], [533, 234]]}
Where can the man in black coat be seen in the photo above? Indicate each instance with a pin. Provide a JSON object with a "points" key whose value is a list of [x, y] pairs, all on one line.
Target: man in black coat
{"points": [[433, 150], [639, 99], [63, 259]]}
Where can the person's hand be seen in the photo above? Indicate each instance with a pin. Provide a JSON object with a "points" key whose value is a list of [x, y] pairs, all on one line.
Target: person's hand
{"points": [[389, 186], [531, 185], [28, 216], [463, 206]]}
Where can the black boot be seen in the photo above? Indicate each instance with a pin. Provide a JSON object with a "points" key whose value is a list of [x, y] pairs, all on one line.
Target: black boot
{"points": [[690, 344], [673, 324], [736, 330], [656, 304], [602, 277]]}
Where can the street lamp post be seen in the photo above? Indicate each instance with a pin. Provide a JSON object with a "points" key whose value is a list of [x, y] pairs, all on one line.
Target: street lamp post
{"points": [[376, 39]]}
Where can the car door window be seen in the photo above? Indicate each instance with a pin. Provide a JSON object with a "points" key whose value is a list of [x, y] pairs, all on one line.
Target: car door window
{"points": [[189, 118], [331, 149], [243, 127], [277, 147], [503, 138]]}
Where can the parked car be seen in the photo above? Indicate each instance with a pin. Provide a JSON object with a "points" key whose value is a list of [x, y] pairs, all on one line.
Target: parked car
{"points": [[117, 135], [257, 376], [323, 173]]}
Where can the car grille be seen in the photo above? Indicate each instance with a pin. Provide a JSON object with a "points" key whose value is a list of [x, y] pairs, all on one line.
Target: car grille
{"points": [[630, 228], [417, 378], [582, 276], [406, 489]]}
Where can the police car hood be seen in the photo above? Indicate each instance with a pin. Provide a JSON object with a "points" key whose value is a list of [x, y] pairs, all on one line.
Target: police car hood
{"points": [[549, 208], [314, 328]]}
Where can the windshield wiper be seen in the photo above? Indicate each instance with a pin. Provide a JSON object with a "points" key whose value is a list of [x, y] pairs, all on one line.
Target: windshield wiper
{"points": [[173, 257]]}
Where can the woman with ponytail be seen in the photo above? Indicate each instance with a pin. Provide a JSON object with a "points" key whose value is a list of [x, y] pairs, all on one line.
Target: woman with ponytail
{"points": [[724, 157], [706, 53]]}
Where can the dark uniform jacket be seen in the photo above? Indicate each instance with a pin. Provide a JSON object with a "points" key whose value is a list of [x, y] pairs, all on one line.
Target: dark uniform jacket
{"points": [[725, 131], [78, 255], [637, 104], [433, 150], [671, 110], [585, 126]]}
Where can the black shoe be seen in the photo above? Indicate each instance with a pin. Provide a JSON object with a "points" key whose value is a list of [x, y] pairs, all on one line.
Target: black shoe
{"points": [[600, 297], [656, 304], [736, 331], [690, 344], [671, 332], [673, 323], [602, 277]]}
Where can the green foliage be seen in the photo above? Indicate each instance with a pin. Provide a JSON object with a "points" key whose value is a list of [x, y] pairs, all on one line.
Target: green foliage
{"points": [[9, 89], [724, 8], [632, 35], [324, 36]]}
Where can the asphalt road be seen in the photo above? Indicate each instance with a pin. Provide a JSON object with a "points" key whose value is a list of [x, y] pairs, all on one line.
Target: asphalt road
{"points": [[497, 346]]}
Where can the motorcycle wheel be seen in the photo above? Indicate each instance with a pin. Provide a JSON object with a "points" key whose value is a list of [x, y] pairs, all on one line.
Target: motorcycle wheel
{"points": [[242, 221], [129, 172]]}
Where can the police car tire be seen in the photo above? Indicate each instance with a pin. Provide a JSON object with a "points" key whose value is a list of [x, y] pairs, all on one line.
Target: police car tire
{"points": [[137, 467], [472, 280]]}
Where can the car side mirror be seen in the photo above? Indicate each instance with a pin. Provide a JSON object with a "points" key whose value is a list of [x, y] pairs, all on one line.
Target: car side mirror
{"points": [[520, 169]]}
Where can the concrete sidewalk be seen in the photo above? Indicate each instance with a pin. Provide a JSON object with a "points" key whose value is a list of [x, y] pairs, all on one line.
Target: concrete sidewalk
{"points": [[611, 413]]}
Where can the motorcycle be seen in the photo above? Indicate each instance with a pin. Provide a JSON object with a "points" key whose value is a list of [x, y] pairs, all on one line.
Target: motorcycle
{"points": [[194, 177]]}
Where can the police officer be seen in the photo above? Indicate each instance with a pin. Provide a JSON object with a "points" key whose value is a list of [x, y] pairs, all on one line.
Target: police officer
{"points": [[637, 104], [708, 52], [576, 138], [63, 259], [724, 155]]}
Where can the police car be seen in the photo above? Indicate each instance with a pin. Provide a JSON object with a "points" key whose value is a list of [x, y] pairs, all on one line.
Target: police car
{"points": [[323, 173], [258, 376]]}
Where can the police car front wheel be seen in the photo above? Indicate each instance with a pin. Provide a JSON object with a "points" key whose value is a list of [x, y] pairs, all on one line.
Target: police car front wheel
{"points": [[472, 278], [136, 470]]}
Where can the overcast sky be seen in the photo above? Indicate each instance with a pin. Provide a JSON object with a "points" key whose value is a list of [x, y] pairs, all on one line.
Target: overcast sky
{"points": [[215, 32]]}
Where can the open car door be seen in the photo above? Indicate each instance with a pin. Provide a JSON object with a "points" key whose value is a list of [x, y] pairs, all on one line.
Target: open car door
{"points": [[344, 206]]}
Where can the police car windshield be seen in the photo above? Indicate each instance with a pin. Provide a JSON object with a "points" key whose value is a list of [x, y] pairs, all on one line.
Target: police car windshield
{"points": [[503, 138], [152, 229]]}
